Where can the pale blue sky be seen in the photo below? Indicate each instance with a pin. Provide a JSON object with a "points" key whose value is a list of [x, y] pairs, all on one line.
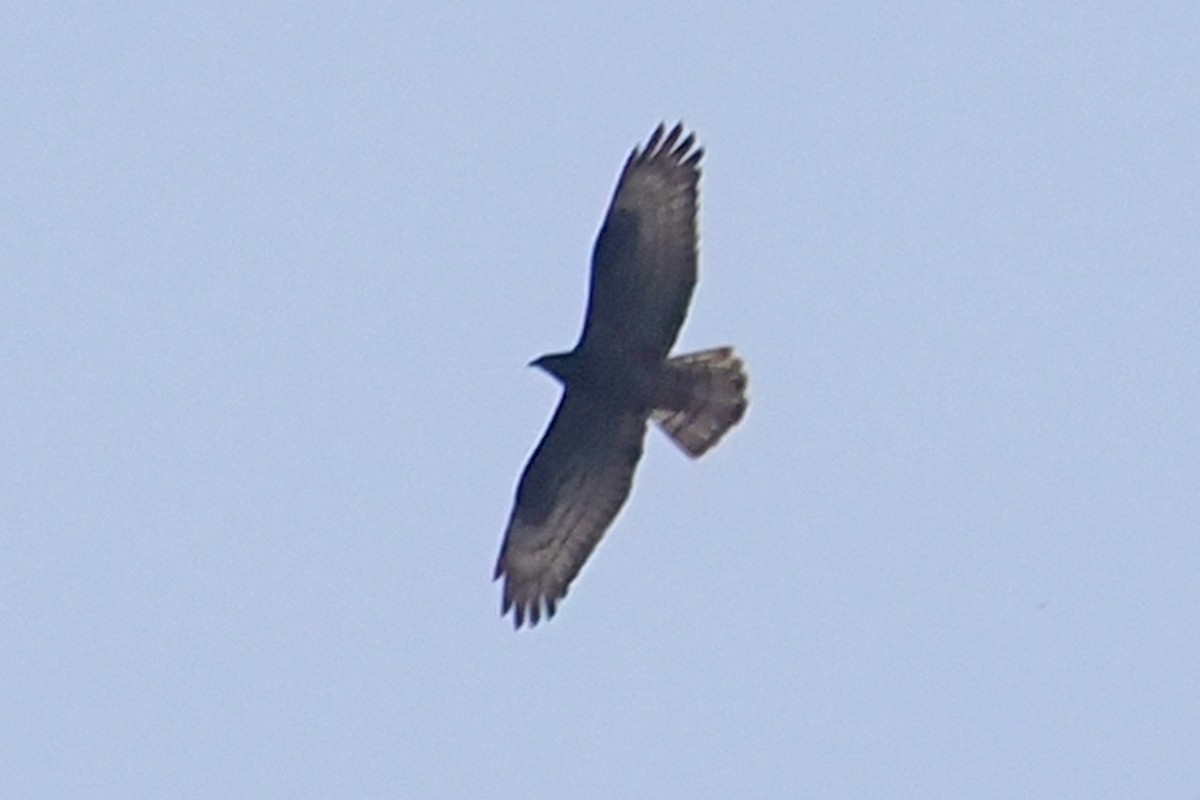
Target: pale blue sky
{"points": [[270, 280]]}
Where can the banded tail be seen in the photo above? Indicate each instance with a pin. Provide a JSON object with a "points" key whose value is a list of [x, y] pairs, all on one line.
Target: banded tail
{"points": [[715, 382]]}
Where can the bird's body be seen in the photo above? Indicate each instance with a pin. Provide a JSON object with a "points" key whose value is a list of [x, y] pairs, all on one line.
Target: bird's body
{"points": [[617, 378]]}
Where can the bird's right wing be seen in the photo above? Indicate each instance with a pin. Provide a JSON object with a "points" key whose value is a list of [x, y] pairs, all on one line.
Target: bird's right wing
{"points": [[572, 488]]}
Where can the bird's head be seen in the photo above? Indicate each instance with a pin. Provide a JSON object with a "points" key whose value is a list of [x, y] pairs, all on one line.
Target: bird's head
{"points": [[560, 365]]}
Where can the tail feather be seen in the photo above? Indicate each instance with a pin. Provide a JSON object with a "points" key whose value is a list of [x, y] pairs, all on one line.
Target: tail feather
{"points": [[715, 383]]}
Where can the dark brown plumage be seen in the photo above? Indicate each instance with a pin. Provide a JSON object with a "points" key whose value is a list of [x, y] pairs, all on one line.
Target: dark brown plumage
{"points": [[617, 378]]}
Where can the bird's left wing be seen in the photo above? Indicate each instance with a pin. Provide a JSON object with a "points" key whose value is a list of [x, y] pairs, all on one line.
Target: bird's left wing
{"points": [[644, 260], [572, 488]]}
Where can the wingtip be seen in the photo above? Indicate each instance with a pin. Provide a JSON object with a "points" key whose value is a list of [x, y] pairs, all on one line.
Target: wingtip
{"points": [[655, 138], [684, 146], [529, 612], [668, 144]]}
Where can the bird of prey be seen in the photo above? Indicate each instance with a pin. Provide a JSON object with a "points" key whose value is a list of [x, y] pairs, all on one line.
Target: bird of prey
{"points": [[619, 376]]}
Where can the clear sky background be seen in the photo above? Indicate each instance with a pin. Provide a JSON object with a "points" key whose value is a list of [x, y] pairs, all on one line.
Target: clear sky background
{"points": [[270, 280]]}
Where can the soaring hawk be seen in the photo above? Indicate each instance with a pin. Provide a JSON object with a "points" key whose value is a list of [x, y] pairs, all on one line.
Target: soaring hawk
{"points": [[619, 376]]}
